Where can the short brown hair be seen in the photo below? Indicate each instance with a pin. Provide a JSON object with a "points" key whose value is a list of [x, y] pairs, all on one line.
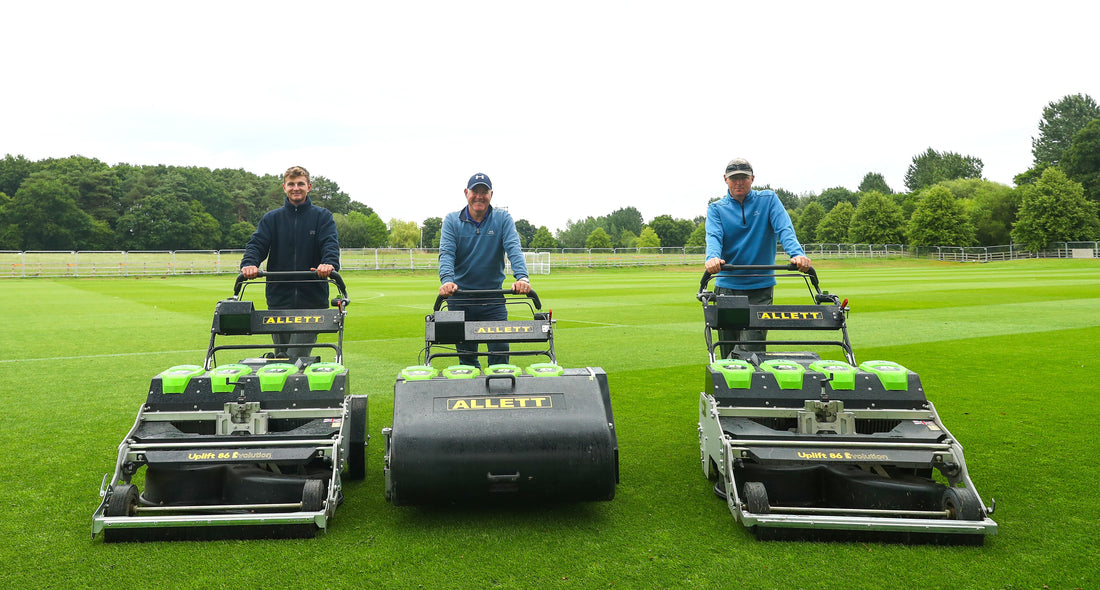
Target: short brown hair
{"points": [[295, 171]]}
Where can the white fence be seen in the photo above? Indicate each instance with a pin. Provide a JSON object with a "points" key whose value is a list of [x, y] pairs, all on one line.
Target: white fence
{"points": [[15, 264]]}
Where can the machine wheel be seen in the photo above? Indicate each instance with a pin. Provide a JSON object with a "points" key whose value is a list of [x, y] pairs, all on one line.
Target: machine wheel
{"points": [[313, 495], [720, 487], [756, 498], [962, 504], [357, 451], [357, 462], [122, 501]]}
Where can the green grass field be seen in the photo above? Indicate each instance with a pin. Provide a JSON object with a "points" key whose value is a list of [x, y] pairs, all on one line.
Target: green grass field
{"points": [[1008, 352]]}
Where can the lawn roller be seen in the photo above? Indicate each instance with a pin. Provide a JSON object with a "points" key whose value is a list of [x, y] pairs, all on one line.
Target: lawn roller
{"points": [[255, 448], [464, 435], [805, 447]]}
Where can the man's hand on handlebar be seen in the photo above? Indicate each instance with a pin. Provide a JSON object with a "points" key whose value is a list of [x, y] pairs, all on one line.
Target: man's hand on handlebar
{"points": [[447, 289], [713, 265], [323, 270], [250, 272], [802, 262], [522, 287]]}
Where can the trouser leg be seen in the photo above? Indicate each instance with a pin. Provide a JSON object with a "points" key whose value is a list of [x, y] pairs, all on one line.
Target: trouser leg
{"points": [[290, 338], [756, 297]]}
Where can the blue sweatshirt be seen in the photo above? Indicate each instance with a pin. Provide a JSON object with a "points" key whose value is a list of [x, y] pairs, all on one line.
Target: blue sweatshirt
{"points": [[746, 233], [471, 254], [295, 238]]}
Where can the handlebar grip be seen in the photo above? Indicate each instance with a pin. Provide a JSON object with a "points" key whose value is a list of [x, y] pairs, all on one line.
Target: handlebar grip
{"points": [[812, 273], [487, 293], [294, 275]]}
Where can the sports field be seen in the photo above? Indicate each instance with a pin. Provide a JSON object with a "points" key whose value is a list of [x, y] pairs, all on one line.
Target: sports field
{"points": [[1008, 352]]}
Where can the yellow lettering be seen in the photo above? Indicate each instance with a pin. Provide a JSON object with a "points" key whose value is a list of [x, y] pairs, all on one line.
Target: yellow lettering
{"points": [[501, 403]]}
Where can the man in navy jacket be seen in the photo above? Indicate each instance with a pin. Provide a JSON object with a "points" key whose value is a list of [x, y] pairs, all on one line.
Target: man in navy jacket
{"points": [[297, 236]]}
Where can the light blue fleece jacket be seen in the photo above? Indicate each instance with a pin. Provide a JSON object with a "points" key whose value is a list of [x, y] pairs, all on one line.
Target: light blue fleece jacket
{"points": [[472, 254], [746, 233]]}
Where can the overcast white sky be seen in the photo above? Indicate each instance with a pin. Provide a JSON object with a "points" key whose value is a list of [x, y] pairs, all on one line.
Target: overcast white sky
{"points": [[572, 108]]}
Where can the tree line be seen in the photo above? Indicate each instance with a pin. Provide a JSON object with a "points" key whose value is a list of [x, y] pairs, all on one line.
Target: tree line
{"points": [[81, 203]]}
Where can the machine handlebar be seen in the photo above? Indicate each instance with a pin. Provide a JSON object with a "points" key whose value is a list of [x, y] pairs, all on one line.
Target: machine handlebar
{"points": [[812, 273], [487, 293], [294, 276]]}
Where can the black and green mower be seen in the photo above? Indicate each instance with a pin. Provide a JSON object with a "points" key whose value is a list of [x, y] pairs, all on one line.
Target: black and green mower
{"points": [[808, 444], [257, 447], [462, 434]]}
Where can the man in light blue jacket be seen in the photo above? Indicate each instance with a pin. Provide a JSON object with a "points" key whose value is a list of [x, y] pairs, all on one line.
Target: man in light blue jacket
{"points": [[743, 228], [472, 246]]}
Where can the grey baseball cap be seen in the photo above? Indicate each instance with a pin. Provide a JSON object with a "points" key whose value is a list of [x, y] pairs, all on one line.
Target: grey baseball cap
{"points": [[738, 166]]}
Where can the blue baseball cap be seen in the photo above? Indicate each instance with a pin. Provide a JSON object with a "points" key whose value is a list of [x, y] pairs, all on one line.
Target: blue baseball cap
{"points": [[477, 179]]}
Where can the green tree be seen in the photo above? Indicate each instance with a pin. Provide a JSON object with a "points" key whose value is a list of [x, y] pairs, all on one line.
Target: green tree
{"points": [[940, 220], [833, 228], [403, 234], [1054, 209], [877, 220], [44, 215], [873, 181], [698, 237], [830, 197], [206, 234], [932, 167], [326, 193], [627, 219], [648, 239], [991, 207], [526, 231], [158, 222], [1081, 161], [240, 233], [430, 232], [98, 188], [543, 240], [806, 226], [627, 239], [598, 239], [13, 170], [576, 232], [1061, 121], [352, 229], [672, 232], [376, 231]]}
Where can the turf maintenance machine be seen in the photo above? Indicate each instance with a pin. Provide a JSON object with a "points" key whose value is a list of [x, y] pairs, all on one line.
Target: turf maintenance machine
{"points": [[463, 435], [805, 447], [255, 448]]}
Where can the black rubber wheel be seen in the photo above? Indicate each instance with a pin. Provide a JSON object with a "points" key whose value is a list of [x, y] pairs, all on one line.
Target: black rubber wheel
{"points": [[357, 450], [313, 495], [357, 462], [122, 500], [720, 487], [962, 504], [756, 498]]}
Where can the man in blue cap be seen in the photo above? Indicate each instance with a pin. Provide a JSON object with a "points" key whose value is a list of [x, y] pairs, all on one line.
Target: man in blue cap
{"points": [[472, 246], [742, 228]]}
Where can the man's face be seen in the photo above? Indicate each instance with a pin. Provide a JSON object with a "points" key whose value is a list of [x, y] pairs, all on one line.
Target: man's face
{"points": [[478, 200], [739, 185], [297, 189]]}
